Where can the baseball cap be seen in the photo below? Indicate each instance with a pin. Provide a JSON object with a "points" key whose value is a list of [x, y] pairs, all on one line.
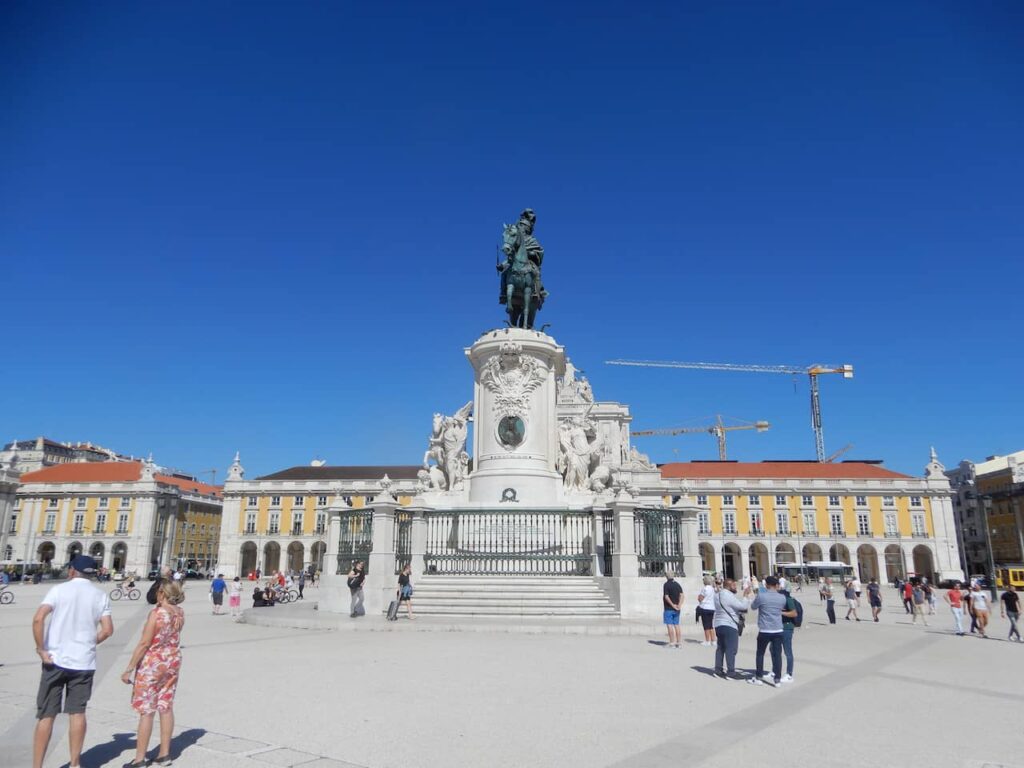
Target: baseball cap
{"points": [[83, 564]]}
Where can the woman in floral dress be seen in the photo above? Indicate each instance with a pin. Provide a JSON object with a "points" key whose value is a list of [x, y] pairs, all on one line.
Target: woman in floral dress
{"points": [[155, 664]]}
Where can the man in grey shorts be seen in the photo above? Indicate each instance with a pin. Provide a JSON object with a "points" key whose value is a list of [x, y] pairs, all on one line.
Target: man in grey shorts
{"points": [[67, 648]]}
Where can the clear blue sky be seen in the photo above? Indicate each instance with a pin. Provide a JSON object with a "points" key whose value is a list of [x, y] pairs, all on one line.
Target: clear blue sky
{"points": [[271, 227]]}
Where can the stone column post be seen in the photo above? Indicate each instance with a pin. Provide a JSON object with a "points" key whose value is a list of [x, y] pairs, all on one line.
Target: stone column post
{"points": [[597, 537], [624, 560], [693, 566], [379, 588], [334, 594]]}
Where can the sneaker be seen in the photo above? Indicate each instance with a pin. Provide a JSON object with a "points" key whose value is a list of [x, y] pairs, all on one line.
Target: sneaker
{"points": [[786, 679], [705, 643], [755, 681], [720, 675]]}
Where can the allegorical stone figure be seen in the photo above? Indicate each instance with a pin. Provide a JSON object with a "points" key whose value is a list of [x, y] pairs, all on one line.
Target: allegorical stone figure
{"points": [[521, 288]]}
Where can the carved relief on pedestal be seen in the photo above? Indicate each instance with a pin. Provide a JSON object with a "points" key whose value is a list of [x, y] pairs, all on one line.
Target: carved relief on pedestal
{"points": [[579, 455], [512, 377]]}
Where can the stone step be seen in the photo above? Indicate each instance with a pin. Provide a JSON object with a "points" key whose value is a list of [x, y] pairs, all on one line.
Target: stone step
{"points": [[510, 596], [575, 589], [482, 600], [449, 610]]}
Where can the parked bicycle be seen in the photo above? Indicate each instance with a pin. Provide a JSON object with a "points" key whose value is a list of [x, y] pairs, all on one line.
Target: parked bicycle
{"points": [[126, 592], [6, 596], [284, 595]]}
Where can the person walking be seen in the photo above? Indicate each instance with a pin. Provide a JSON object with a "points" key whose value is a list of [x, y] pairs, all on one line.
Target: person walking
{"points": [[918, 596], [67, 649], [356, 577], [830, 603], [979, 607], [1009, 608], [301, 583], [908, 597], [153, 672], [788, 627], [235, 597], [217, 588], [672, 605], [875, 599], [706, 610], [405, 589], [728, 619], [955, 597], [770, 606], [929, 593], [857, 588], [851, 601]]}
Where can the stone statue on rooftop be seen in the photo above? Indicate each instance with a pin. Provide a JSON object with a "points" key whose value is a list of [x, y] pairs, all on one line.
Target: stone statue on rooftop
{"points": [[522, 291]]}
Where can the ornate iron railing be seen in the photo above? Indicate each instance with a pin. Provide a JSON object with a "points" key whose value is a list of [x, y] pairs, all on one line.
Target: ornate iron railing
{"points": [[355, 541], [510, 543], [659, 541], [403, 539]]}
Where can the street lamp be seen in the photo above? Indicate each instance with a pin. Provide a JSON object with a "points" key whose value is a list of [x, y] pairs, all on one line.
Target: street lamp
{"points": [[987, 505]]}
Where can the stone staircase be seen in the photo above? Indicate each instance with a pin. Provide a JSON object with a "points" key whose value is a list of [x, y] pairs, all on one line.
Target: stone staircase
{"points": [[511, 596]]}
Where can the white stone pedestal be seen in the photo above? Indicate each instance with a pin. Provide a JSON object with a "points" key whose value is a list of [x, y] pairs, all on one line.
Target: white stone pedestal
{"points": [[515, 434]]}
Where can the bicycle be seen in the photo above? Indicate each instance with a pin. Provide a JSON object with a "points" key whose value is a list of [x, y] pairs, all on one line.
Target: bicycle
{"points": [[6, 596], [129, 593], [285, 596]]}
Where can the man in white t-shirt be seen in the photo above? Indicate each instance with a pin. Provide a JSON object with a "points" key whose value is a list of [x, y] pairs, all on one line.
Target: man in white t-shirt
{"points": [[67, 648]]}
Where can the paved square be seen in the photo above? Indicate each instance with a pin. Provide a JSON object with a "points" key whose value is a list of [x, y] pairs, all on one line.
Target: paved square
{"points": [[888, 694]]}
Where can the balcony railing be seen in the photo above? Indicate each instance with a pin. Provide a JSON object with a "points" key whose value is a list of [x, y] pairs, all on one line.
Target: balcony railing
{"points": [[296, 530], [892, 534]]}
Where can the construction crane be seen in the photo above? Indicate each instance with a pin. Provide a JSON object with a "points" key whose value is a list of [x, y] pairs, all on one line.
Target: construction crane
{"points": [[718, 429], [812, 372], [212, 473], [839, 453]]}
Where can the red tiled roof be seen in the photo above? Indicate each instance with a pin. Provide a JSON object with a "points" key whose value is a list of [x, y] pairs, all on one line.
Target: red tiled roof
{"points": [[112, 472], [87, 472], [191, 486], [847, 470]]}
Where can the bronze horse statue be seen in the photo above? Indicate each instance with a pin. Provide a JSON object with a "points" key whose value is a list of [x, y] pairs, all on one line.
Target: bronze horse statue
{"points": [[524, 294]]}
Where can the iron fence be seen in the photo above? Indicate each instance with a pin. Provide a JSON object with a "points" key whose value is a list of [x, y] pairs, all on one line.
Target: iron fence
{"points": [[356, 539], [608, 528], [510, 543], [403, 540], [659, 544]]}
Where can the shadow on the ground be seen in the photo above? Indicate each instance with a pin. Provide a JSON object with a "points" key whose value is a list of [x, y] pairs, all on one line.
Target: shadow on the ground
{"points": [[661, 643], [709, 671], [103, 754]]}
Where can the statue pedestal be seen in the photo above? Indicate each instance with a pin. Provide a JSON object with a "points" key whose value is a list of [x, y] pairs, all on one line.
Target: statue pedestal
{"points": [[515, 434]]}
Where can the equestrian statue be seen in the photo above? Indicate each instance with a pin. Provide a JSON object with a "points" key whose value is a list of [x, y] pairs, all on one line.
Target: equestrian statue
{"points": [[522, 292]]}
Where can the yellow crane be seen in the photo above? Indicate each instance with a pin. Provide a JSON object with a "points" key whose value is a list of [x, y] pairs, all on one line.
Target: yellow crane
{"points": [[718, 429], [812, 371]]}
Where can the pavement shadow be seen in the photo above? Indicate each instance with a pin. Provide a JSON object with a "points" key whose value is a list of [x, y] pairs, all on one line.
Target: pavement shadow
{"points": [[103, 754], [661, 643], [709, 671]]}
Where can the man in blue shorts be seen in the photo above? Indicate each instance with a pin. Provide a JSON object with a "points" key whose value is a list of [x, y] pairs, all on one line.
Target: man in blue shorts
{"points": [[672, 597]]}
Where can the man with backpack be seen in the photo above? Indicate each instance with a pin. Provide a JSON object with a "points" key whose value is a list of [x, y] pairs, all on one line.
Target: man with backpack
{"points": [[771, 609], [792, 618]]}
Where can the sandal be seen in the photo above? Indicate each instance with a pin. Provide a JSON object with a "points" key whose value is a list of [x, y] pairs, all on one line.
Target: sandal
{"points": [[137, 764]]}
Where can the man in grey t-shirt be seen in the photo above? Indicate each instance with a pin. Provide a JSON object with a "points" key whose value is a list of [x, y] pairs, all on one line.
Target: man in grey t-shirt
{"points": [[770, 607]]}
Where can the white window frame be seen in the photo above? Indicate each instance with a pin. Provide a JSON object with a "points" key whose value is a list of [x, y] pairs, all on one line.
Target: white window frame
{"points": [[728, 500], [834, 501], [863, 524], [122, 522], [78, 522], [729, 523], [754, 500], [12, 526], [321, 523], [275, 501], [915, 501], [321, 501], [756, 522], [888, 501], [250, 522], [892, 524], [806, 501], [702, 499], [80, 502], [704, 523], [297, 521], [917, 525], [275, 523], [104, 502], [782, 523], [253, 501], [101, 522], [810, 522], [862, 501], [780, 501], [835, 524], [50, 525], [298, 501]]}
